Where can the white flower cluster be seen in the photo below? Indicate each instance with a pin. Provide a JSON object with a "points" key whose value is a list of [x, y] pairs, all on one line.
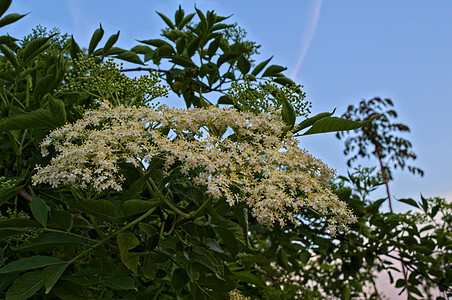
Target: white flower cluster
{"points": [[256, 164]]}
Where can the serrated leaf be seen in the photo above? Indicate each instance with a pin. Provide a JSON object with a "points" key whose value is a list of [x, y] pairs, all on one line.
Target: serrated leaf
{"points": [[25, 286], [35, 47], [166, 20], [30, 263], [288, 113], [283, 81], [95, 39], [130, 57], [127, 241], [229, 240], [7, 194], [19, 223], [149, 266], [409, 201], [243, 64], [225, 99], [309, 121], [11, 18], [260, 66], [333, 124], [75, 49], [249, 277], [4, 5], [179, 16], [10, 55], [182, 61], [213, 46], [186, 20], [7, 279], [40, 118], [135, 206], [100, 208], [121, 283], [273, 70], [110, 42], [61, 219], [49, 240], [57, 108], [141, 49], [51, 274], [39, 209], [154, 42]]}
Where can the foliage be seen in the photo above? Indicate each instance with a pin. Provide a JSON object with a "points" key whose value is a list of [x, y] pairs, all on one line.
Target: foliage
{"points": [[162, 235]]}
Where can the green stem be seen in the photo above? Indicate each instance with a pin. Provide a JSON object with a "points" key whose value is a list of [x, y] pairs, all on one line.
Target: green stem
{"points": [[69, 233], [107, 238]]}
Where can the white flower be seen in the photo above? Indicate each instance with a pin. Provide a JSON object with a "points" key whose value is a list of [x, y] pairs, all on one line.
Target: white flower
{"points": [[275, 177]]}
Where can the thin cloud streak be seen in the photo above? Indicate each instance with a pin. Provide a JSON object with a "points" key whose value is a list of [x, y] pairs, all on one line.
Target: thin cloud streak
{"points": [[308, 34]]}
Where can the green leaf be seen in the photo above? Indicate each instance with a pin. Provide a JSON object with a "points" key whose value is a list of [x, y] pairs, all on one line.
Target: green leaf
{"points": [[272, 70], [333, 124], [260, 67], [110, 42], [202, 18], [409, 201], [179, 16], [213, 46], [11, 18], [35, 47], [249, 277], [243, 64], [51, 274], [100, 208], [75, 49], [40, 118], [229, 240], [7, 40], [130, 57], [186, 20], [309, 121], [61, 219], [182, 61], [288, 113], [95, 39], [140, 49], [10, 55], [39, 209], [166, 19], [48, 241], [283, 81], [154, 42], [225, 99], [149, 266], [135, 206], [44, 85], [57, 108], [25, 286], [7, 194], [19, 223], [400, 283], [6, 280], [127, 241], [30, 263], [121, 283], [4, 5], [179, 278]]}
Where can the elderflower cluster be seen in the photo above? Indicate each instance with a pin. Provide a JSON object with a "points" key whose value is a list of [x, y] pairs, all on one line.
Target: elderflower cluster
{"points": [[256, 164]]}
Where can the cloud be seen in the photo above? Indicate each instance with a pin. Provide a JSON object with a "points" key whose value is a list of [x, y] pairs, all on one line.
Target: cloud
{"points": [[308, 34], [80, 22]]}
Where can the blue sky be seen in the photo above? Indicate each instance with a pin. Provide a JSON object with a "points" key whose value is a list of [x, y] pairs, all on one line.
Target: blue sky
{"points": [[341, 51]]}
